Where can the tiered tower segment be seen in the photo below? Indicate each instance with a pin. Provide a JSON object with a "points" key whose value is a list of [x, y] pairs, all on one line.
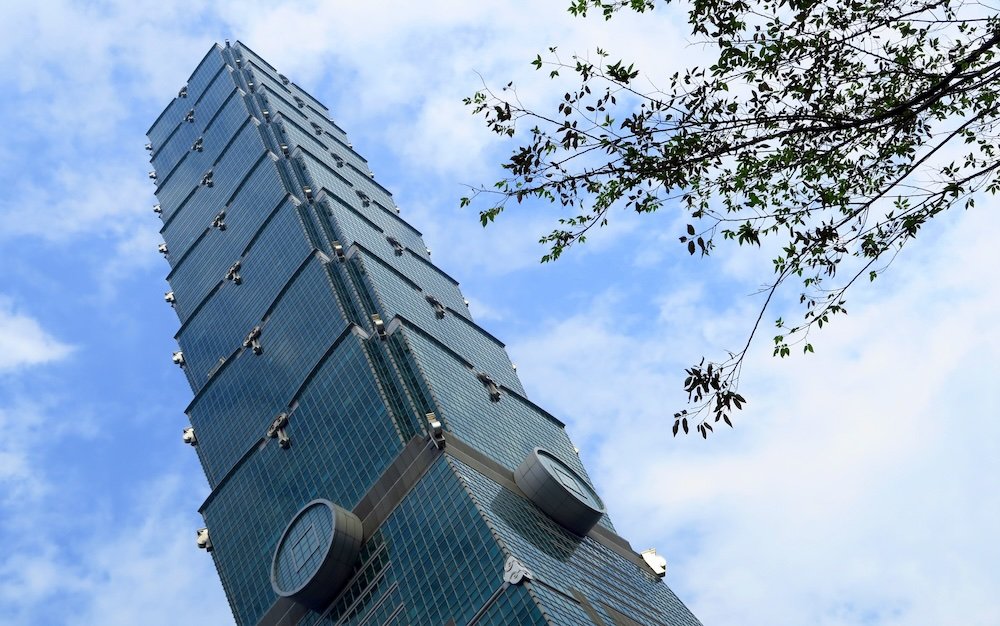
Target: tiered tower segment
{"points": [[371, 454]]}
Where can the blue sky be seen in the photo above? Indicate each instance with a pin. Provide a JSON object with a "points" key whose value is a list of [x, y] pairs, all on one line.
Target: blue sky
{"points": [[859, 487]]}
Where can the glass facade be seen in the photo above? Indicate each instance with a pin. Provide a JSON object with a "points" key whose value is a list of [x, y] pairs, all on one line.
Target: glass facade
{"points": [[318, 338]]}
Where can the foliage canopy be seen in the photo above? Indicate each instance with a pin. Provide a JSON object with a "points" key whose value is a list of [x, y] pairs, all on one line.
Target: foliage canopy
{"points": [[832, 130]]}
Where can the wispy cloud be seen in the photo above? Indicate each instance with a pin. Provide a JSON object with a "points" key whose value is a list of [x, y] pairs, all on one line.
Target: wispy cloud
{"points": [[120, 552], [18, 478], [858, 486], [138, 567], [97, 200], [146, 569]]}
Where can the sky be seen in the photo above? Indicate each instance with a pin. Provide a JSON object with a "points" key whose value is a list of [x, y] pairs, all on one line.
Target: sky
{"points": [[859, 486]]}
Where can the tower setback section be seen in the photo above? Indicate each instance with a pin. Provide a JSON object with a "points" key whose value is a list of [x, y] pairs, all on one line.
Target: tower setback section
{"points": [[371, 453]]}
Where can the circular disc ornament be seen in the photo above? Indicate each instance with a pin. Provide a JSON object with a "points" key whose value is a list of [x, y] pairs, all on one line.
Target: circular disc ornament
{"points": [[559, 491], [316, 554]]}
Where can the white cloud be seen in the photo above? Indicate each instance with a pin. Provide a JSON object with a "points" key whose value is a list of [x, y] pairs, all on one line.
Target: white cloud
{"points": [[24, 342], [858, 486]]}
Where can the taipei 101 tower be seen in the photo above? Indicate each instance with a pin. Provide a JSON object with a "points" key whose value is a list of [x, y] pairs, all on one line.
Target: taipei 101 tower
{"points": [[370, 451]]}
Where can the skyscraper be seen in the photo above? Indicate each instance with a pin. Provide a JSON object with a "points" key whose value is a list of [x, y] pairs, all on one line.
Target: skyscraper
{"points": [[371, 454]]}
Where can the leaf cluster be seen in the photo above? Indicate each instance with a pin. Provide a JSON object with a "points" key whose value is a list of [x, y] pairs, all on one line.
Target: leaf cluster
{"points": [[831, 130]]}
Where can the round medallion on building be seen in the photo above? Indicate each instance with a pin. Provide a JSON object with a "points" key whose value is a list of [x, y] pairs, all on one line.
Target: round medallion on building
{"points": [[559, 491], [316, 554]]}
